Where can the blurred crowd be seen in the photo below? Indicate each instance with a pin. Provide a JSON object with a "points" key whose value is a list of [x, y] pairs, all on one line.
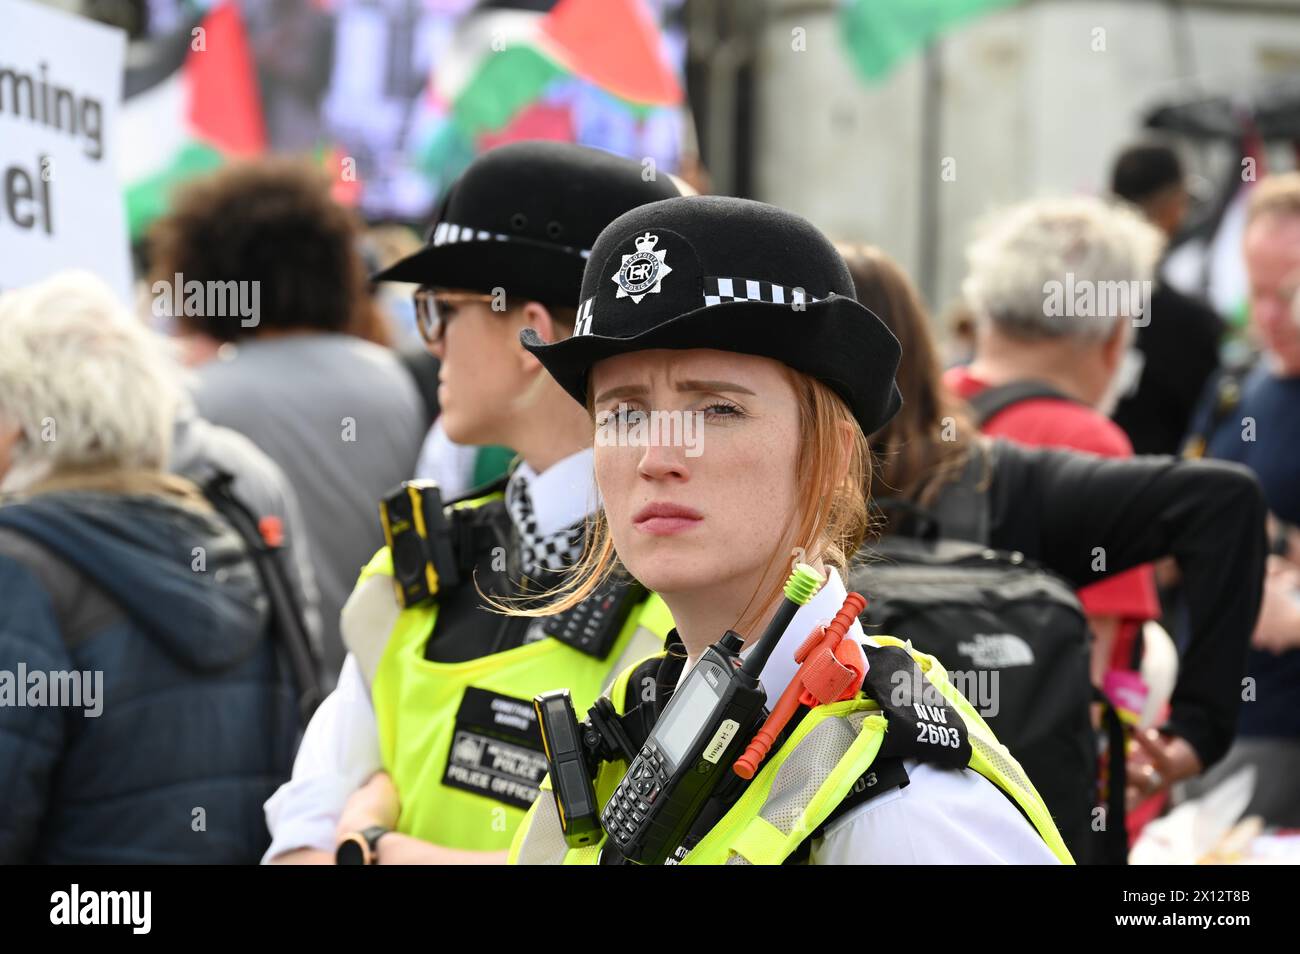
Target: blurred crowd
{"points": [[125, 436]]}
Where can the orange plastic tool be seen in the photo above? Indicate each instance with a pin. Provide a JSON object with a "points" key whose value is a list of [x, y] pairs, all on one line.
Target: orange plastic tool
{"points": [[832, 667]]}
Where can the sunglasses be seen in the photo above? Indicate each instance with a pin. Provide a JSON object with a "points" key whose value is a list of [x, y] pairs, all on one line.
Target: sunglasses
{"points": [[434, 309]]}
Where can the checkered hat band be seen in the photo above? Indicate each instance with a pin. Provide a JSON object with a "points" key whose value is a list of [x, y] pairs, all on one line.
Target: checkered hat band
{"points": [[582, 323], [717, 291], [449, 233]]}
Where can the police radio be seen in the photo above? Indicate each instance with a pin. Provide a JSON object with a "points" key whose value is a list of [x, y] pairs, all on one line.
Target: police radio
{"points": [[687, 754], [708, 722], [593, 625], [419, 537]]}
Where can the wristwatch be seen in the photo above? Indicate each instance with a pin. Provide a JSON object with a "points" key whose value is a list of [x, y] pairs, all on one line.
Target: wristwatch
{"points": [[360, 847]]}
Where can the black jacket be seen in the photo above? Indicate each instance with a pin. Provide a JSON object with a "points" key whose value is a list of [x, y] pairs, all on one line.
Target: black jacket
{"points": [[1058, 507], [1180, 351]]}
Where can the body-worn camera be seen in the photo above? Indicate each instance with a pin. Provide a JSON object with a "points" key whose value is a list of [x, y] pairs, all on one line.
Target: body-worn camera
{"points": [[419, 537], [574, 752]]}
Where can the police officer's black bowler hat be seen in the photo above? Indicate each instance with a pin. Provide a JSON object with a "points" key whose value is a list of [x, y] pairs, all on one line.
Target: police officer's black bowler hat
{"points": [[524, 216], [735, 275]]}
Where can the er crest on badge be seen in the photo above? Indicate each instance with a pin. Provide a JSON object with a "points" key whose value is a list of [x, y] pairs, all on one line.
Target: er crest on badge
{"points": [[642, 272]]}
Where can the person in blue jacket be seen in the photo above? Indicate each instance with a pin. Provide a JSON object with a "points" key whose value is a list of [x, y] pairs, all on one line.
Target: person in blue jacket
{"points": [[144, 716]]}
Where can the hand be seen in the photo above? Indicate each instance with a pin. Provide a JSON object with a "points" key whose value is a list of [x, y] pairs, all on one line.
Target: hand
{"points": [[1276, 528], [375, 803], [1278, 626], [1161, 760]]}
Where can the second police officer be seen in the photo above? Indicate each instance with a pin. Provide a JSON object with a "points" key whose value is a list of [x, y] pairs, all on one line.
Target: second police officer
{"points": [[428, 750]]}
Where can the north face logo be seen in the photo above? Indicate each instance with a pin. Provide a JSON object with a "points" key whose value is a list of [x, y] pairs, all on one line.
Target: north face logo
{"points": [[997, 651]]}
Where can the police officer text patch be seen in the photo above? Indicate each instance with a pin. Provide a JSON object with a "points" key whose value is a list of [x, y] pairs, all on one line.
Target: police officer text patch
{"points": [[496, 748]]}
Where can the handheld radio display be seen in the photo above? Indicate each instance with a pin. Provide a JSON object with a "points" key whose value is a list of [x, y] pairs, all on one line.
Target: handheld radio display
{"points": [[707, 723]]}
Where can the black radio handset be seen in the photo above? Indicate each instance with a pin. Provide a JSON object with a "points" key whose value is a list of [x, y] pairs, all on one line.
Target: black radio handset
{"points": [[707, 723]]}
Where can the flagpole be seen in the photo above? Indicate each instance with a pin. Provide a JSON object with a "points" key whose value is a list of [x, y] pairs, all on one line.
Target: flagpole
{"points": [[931, 167]]}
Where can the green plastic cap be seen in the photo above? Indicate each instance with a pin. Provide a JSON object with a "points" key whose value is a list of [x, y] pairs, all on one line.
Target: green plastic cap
{"points": [[803, 583]]}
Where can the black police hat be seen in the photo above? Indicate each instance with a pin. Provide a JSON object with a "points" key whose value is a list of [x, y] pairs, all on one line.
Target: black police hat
{"points": [[735, 275], [524, 217]]}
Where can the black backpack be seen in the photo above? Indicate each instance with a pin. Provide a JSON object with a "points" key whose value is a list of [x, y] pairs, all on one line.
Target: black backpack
{"points": [[1012, 635], [1112, 848]]}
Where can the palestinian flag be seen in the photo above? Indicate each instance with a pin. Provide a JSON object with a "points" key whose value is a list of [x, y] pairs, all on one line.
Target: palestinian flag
{"points": [[192, 106], [512, 67], [880, 34]]}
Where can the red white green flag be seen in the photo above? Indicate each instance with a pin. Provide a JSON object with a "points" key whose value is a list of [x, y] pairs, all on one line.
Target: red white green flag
{"points": [[191, 118]]}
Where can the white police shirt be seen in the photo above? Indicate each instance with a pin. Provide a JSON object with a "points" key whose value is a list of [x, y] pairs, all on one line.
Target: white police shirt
{"points": [[944, 816], [449, 463], [340, 748]]}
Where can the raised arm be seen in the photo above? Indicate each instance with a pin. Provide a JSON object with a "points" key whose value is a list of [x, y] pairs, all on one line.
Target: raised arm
{"points": [[1089, 517]]}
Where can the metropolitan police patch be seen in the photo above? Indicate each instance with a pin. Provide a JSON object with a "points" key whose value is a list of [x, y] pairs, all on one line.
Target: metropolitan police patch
{"points": [[496, 748], [643, 270]]}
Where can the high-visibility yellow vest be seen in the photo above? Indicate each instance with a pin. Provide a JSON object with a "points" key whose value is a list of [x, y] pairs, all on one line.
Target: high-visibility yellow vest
{"points": [[793, 794], [460, 739]]}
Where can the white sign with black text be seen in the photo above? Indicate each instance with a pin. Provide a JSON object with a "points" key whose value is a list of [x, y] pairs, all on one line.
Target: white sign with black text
{"points": [[61, 204]]}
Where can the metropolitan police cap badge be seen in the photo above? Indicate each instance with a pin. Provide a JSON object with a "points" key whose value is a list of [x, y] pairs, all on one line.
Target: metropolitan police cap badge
{"points": [[642, 272]]}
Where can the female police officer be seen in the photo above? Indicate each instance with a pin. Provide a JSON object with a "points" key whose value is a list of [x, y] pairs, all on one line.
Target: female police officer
{"points": [[742, 315], [430, 733]]}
